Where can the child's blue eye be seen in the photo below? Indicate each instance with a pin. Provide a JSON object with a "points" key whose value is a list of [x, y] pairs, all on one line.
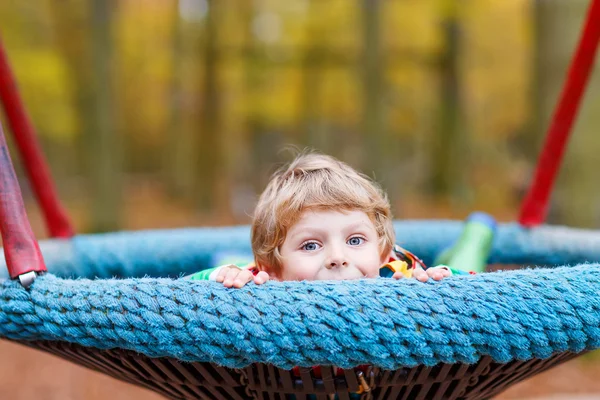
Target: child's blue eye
{"points": [[355, 241], [310, 246]]}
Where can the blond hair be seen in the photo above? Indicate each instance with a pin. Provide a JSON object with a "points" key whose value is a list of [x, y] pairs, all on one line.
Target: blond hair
{"points": [[314, 181]]}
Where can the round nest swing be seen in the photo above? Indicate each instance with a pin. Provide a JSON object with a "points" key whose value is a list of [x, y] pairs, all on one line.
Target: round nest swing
{"points": [[112, 302], [464, 337]]}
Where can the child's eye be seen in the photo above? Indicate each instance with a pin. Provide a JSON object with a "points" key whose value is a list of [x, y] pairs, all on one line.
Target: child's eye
{"points": [[310, 246], [355, 241]]}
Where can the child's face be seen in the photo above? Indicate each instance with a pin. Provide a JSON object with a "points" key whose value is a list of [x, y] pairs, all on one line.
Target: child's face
{"points": [[331, 245]]}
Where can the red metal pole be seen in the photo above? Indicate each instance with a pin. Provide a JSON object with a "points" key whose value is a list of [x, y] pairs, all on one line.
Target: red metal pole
{"points": [[21, 250], [535, 206], [57, 222]]}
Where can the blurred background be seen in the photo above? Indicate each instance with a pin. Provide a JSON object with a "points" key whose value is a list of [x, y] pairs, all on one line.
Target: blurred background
{"points": [[166, 113]]}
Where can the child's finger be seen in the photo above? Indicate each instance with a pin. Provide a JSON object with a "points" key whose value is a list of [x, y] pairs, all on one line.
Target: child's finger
{"points": [[398, 275], [261, 278], [223, 271], [221, 275], [420, 275], [243, 277], [230, 277], [438, 273]]}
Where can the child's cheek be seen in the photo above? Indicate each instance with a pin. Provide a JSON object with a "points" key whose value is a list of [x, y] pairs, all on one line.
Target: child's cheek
{"points": [[295, 269], [300, 273], [373, 263]]}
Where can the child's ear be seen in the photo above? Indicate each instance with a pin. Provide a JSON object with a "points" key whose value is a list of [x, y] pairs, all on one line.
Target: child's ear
{"points": [[386, 257]]}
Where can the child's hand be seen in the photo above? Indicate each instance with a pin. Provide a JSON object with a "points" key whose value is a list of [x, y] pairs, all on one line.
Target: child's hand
{"points": [[423, 275], [233, 276]]}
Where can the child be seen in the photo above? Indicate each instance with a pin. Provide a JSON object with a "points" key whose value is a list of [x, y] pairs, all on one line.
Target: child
{"points": [[319, 219]]}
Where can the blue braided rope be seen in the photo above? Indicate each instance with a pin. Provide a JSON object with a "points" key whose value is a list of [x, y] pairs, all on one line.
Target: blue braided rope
{"points": [[507, 315]]}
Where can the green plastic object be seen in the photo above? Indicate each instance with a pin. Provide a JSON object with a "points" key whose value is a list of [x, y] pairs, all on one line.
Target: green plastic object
{"points": [[470, 253]]}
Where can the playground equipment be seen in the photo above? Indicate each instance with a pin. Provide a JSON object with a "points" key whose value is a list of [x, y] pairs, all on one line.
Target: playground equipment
{"points": [[110, 301]]}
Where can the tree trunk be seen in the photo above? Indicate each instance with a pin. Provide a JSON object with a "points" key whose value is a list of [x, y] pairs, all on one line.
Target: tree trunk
{"points": [[208, 149], [379, 146], [104, 149], [180, 171], [312, 134], [449, 158], [87, 55]]}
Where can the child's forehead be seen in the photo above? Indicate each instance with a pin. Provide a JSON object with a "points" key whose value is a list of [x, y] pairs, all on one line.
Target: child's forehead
{"points": [[324, 218]]}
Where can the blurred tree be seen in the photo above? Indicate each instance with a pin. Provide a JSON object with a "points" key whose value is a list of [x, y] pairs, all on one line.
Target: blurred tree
{"points": [[449, 156], [378, 146], [27, 37], [311, 67], [83, 32], [103, 140], [558, 27], [180, 171], [215, 88], [496, 45], [208, 149], [141, 80]]}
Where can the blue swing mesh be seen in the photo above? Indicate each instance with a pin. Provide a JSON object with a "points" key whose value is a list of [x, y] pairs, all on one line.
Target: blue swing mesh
{"points": [[511, 315]]}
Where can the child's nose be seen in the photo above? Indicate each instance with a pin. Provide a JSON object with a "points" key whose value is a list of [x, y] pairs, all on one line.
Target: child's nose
{"points": [[337, 259], [336, 263]]}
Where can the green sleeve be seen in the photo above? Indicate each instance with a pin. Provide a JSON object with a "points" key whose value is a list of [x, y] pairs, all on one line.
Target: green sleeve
{"points": [[203, 275]]}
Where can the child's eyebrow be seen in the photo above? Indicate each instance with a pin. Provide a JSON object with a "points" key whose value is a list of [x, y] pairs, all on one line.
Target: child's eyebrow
{"points": [[307, 231], [356, 226], [302, 231]]}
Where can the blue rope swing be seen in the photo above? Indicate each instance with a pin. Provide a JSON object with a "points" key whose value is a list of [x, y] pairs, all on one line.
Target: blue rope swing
{"points": [[511, 315], [120, 291]]}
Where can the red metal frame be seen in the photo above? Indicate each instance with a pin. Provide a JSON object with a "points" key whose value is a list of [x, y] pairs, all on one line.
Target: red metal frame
{"points": [[535, 205], [21, 250], [57, 222]]}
